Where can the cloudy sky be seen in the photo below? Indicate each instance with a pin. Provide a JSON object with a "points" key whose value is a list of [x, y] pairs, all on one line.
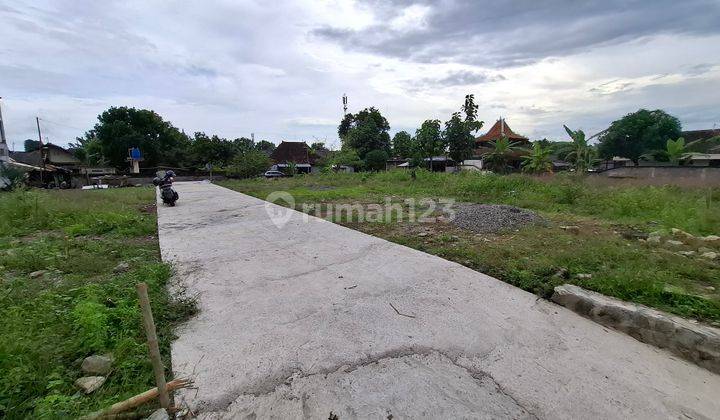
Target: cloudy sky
{"points": [[279, 68]]}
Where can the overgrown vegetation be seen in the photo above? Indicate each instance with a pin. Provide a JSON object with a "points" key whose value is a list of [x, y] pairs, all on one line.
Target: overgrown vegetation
{"points": [[75, 304], [530, 258]]}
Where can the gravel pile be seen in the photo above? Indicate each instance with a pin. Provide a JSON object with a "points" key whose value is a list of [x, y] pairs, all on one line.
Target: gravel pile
{"points": [[492, 218]]}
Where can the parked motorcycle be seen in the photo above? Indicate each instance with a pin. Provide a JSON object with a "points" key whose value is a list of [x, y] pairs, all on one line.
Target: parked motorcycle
{"points": [[167, 193]]}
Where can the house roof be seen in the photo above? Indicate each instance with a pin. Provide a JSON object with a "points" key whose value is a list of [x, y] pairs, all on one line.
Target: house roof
{"points": [[693, 135], [499, 130], [28, 158], [33, 157], [705, 156], [293, 151]]}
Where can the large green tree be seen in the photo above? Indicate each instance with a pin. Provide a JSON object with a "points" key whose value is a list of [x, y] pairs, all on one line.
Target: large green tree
{"points": [[429, 140], [460, 129], [365, 131], [121, 128], [638, 133], [402, 145], [210, 149], [376, 160]]}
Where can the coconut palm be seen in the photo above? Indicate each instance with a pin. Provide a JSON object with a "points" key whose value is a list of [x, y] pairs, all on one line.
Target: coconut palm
{"points": [[538, 161], [498, 158]]}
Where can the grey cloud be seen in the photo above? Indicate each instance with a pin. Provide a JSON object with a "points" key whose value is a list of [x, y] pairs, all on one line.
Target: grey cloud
{"points": [[506, 33], [451, 79]]}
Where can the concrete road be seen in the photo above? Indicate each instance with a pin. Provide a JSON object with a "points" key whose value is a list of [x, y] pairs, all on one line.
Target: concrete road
{"points": [[297, 322]]}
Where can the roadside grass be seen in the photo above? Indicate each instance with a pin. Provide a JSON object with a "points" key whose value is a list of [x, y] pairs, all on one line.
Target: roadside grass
{"points": [[531, 258], [79, 306], [693, 210]]}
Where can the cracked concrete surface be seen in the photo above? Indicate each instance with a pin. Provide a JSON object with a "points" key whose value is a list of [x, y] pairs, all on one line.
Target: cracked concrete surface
{"points": [[282, 332]]}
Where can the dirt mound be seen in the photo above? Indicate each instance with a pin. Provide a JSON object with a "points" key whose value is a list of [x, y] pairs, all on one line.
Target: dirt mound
{"points": [[492, 218]]}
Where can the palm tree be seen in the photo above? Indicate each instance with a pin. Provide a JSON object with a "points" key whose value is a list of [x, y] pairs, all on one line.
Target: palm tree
{"points": [[498, 158], [578, 152], [538, 161]]}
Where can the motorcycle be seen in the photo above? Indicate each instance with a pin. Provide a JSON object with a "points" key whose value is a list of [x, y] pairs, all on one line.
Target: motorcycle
{"points": [[168, 195]]}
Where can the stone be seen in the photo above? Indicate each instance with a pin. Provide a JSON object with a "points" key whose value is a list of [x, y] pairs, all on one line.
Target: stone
{"points": [[97, 364], [37, 274], [711, 238], [709, 255], [686, 253], [655, 233], [653, 239], [674, 243], [709, 288], [703, 250], [584, 276], [121, 268], [422, 234], [562, 273], [159, 414], [692, 341], [90, 384], [681, 233], [572, 229]]}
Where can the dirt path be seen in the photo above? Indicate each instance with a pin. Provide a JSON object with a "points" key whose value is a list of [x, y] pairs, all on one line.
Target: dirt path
{"points": [[314, 318]]}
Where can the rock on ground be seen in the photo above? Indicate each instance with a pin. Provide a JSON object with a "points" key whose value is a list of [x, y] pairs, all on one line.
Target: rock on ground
{"points": [[97, 364], [493, 218], [159, 414], [90, 384]]}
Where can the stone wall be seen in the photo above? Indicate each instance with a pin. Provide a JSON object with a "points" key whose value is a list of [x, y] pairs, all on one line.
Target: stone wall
{"points": [[683, 176], [690, 340]]}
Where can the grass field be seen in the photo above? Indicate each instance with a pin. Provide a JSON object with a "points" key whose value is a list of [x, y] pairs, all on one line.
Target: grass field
{"points": [[79, 306], [537, 258]]}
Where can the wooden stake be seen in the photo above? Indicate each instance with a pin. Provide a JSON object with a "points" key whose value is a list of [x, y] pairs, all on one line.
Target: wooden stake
{"points": [[152, 341]]}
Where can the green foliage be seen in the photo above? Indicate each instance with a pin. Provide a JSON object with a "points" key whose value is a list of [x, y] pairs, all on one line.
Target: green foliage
{"points": [[31, 145], [638, 133], [249, 164], [579, 152], [498, 158], [402, 145], [121, 128], [345, 157], [675, 150], [538, 161], [14, 178], [79, 307], [458, 134], [428, 139], [365, 131], [376, 160], [210, 149]]}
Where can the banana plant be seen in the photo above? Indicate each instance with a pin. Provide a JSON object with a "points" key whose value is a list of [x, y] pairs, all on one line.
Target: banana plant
{"points": [[538, 161], [578, 152]]}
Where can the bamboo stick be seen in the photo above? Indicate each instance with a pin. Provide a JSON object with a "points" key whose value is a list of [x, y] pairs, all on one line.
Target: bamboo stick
{"points": [[152, 340], [137, 400]]}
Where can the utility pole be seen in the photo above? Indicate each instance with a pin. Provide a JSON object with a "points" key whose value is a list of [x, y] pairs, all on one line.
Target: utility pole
{"points": [[252, 137], [3, 141], [344, 99], [40, 149]]}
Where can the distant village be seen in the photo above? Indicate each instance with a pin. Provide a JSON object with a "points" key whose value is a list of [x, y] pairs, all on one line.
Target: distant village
{"points": [[49, 165]]}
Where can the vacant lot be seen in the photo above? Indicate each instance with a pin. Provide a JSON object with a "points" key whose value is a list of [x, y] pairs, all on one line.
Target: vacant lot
{"points": [[594, 237], [69, 263]]}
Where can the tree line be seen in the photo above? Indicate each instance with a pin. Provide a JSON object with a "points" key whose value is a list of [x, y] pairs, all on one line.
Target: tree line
{"points": [[367, 144]]}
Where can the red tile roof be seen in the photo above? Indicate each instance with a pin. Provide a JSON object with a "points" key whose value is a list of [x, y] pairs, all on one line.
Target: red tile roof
{"points": [[293, 151], [499, 130]]}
